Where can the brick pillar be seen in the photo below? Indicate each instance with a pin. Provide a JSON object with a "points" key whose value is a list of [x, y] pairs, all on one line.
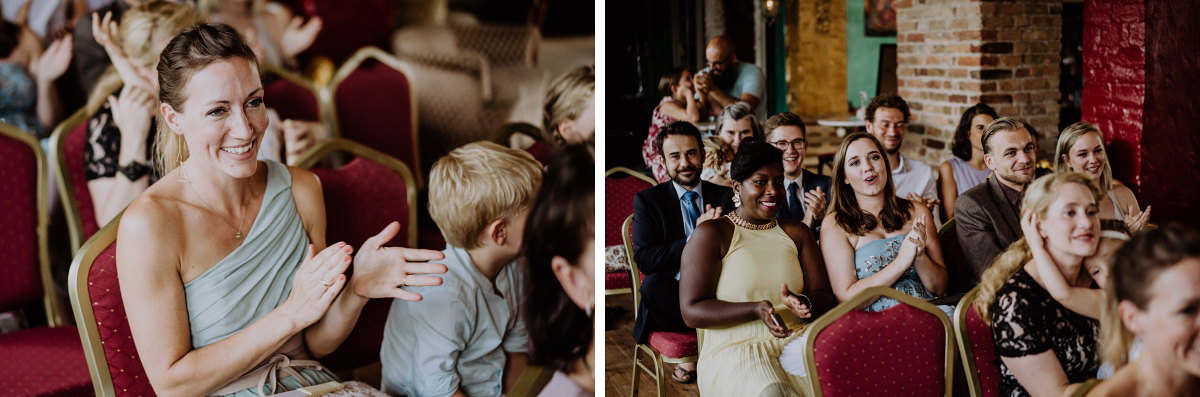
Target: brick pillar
{"points": [[956, 53], [1140, 91]]}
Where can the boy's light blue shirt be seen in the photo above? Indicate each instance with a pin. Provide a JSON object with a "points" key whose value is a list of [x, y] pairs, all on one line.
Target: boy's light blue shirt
{"points": [[457, 335]]}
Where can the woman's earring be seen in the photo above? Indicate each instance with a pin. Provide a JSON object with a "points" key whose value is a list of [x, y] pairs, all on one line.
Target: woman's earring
{"points": [[181, 172], [737, 201], [588, 310]]}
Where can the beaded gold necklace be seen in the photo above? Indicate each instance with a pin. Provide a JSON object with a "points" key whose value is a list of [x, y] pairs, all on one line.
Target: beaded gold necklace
{"points": [[738, 220]]}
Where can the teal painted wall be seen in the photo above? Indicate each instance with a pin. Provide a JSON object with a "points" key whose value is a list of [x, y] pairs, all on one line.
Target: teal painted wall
{"points": [[862, 54]]}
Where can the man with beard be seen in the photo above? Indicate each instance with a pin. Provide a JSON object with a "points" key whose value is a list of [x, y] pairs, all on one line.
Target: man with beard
{"points": [[805, 190], [887, 116], [664, 216], [989, 213], [726, 80]]}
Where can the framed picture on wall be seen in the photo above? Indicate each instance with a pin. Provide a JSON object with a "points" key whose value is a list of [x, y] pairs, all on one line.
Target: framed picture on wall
{"points": [[880, 17]]}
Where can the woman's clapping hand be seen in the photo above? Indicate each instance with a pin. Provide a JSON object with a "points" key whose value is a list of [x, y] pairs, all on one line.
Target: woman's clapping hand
{"points": [[800, 305], [379, 272], [318, 281]]}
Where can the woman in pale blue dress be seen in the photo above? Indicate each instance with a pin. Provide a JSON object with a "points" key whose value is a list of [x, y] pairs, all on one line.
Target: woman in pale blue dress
{"points": [[892, 242], [217, 307]]}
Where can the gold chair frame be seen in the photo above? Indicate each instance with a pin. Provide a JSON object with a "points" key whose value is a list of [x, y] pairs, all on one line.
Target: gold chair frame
{"points": [[318, 152], [85, 315], [630, 172], [659, 360], [66, 192], [946, 226], [966, 355], [321, 92], [808, 338], [352, 64], [49, 298]]}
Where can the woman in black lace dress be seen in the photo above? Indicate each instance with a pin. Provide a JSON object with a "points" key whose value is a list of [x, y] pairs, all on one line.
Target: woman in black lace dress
{"points": [[1045, 348]]}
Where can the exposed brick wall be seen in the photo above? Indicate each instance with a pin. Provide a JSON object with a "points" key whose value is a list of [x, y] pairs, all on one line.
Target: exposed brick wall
{"points": [[954, 53], [1114, 67]]}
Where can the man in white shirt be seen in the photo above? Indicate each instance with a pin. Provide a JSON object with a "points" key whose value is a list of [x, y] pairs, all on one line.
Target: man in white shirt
{"points": [[887, 116]]}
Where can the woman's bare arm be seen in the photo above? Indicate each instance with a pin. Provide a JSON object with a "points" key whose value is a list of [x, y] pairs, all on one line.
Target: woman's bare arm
{"points": [[930, 266], [838, 252], [152, 290], [1040, 374], [700, 270], [948, 188], [816, 282]]}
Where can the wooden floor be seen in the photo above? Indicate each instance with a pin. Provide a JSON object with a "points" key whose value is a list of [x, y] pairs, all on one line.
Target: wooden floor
{"points": [[618, 352]]}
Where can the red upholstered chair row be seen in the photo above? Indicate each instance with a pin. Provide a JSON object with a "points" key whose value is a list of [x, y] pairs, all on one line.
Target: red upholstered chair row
{"points": [[906, 350], [663, 347], [67, 145], [294, 97], [620, 185], [979, 358], [374, 104], [364, 196], [45, 361]]}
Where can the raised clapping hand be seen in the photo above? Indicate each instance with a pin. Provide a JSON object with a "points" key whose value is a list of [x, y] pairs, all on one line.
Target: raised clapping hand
{"points": [[814, 205], [764, 310], [930, 203], [709, 214], [916, 236], [800, 305], [298, 36], [317, 282], [132, 112], [107, 33], [379, 272], [1136, 222], [55, 60]]}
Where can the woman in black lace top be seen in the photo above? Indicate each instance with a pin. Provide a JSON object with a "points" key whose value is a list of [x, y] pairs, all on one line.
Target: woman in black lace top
{"points": [[1045, 348]]}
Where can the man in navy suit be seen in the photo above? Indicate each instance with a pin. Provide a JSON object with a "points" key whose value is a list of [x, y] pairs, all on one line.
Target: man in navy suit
{"points": [[805, 190], [664, 216]]}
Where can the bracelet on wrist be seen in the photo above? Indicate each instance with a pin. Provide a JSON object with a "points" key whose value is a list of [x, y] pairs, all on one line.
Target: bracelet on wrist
{"points": [[134, 170]]}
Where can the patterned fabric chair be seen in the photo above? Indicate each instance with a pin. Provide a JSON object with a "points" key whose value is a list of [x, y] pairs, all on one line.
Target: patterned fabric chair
{"points": [[663, 347], [46, 361], [293, 96], [907, 350], [620, 185], [66, 153], [956, 262], [978, 350], [374, 103], [364, 196], [112, 359]]}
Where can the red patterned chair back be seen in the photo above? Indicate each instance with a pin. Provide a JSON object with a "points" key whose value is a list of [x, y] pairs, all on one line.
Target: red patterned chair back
{"points": [[112, 357], [912, 340], [67, 144], [978, 350], [347, 25], [361, 198], [374, 104], [620, 185], [956, 264], [293, 96], [23, 220]]}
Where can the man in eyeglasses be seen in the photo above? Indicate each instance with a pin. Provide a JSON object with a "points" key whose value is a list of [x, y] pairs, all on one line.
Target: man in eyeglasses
{"points": [[727, 81], [805, 190]]}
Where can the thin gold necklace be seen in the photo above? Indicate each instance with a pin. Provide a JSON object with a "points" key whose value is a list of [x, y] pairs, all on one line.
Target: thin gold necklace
{"points": [[738, 220], [237, 230]]}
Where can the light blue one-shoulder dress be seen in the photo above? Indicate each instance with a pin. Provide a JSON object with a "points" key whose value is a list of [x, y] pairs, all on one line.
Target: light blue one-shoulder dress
{"points": [[876, 255], [254, 279]]}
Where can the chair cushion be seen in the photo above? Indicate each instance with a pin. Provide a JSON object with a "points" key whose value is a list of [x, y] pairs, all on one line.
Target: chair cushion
{"points": [[44, 362], [21, 284], [674, 344], [895, 352], [292, 101], [615, 258], [616, 280], [128, 375], [618, 204], [979, 335], [374, 108]]}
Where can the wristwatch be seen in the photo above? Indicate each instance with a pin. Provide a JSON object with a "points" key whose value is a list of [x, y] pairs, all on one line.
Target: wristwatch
{"points": [[134, 170]]}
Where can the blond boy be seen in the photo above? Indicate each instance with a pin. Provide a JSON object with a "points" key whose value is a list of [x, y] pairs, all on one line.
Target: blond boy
{"points": [[466, 337]]}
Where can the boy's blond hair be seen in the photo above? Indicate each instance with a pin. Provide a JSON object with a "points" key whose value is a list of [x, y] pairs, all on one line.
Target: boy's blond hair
{"points": [[477, 184]]}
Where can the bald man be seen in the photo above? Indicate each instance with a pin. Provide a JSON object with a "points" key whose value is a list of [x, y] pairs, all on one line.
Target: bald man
{"points": [[727, 81]]}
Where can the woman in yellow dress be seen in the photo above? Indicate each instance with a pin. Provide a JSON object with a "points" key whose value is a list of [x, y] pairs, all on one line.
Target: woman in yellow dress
{"points": [[738, 274]]}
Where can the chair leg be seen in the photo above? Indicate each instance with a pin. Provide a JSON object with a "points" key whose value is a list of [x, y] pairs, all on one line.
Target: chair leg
{"points": [[658, 369], [637, 372]]}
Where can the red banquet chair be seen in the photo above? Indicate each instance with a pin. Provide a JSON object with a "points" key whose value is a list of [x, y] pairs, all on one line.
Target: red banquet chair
{"points": [[913, 339], [45, 361], [112, 359], [663, 347], [618, 204], [67, 144], [374, 103], [364, 196], [347, 26], [960, 280], [976, 347], [293, 96]]}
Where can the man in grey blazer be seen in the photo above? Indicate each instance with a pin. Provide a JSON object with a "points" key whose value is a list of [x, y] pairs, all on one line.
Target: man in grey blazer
{"points": [[988, 215]]}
